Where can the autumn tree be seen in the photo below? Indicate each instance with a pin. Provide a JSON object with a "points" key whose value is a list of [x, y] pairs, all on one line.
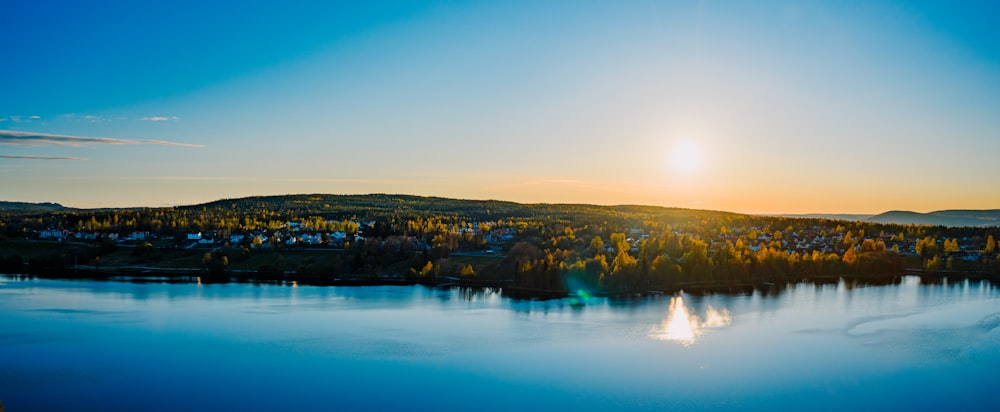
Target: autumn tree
{"points": [[951, 246], [427, 270], [597, 245], [695, 263], [848, 239], [867, 245], [215, 262], [927, 247], [934, 263], [851, 257]]}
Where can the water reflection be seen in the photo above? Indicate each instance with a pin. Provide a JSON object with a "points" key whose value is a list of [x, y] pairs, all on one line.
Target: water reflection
{"points": [[684, 327]]}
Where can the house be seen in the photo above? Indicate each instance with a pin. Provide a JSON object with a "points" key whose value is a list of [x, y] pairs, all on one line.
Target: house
{"points": [[138, 236], [308, 239], [52, 234]]}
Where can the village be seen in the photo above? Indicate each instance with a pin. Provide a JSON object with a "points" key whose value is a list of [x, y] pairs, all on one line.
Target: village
{"points": [[494, 239]]}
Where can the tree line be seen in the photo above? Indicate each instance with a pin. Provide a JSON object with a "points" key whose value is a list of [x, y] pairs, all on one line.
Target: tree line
{"points": [[554, 248]]}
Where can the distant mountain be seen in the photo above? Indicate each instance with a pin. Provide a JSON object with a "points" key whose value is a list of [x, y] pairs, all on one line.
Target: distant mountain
{"points": [[831, 216], [975, 218], [25, 207]]}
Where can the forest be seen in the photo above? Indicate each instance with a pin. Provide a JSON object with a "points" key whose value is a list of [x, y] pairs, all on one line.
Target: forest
{"points": [[535, 250]]}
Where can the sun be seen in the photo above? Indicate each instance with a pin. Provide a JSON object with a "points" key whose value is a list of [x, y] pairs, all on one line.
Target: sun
{"points": [[685, 157]]}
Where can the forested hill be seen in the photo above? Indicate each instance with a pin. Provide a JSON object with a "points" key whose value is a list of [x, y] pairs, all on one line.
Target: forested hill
{"points": [[372, 206], [25, 207], [379, 206]]}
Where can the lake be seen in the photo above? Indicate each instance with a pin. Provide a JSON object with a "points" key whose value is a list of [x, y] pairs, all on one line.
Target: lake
{"points": [[118, 346]]}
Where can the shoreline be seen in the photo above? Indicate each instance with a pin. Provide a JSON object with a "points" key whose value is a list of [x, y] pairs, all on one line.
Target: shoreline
{"points": [[199, 276]]}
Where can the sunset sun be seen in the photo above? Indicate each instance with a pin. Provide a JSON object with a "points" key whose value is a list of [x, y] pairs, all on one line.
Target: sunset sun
{"points": [[685, 157]]}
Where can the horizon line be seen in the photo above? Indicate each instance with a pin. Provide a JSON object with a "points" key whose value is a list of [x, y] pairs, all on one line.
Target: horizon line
{"points": [[769, 213]]}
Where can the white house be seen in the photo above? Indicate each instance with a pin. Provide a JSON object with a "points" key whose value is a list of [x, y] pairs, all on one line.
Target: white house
{"points": [[137, 236], [51, 234], [311, 239]]}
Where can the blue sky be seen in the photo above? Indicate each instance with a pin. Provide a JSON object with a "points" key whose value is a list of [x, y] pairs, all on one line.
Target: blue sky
{"points": [[784, 106]]}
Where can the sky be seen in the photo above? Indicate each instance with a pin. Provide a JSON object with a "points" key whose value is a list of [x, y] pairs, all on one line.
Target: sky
{"points": [[753, 107]]}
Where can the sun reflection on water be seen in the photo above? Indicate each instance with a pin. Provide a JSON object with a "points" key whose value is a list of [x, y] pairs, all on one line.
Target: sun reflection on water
{"points": [[684, 327]]}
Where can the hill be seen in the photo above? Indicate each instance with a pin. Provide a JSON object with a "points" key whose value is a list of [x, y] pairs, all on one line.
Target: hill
{"points": [[373, 206], [954, 218], [25, 207]]}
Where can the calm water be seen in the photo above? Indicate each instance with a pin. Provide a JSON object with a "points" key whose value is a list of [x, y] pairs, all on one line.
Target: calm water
{"points": [[68, 345]]}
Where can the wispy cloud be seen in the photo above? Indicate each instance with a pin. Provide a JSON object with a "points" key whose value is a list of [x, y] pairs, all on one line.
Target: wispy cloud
{"points": [[43, 139], [159, 118], [20, 119], [40, 157], [85, 118], [274, 179]]}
